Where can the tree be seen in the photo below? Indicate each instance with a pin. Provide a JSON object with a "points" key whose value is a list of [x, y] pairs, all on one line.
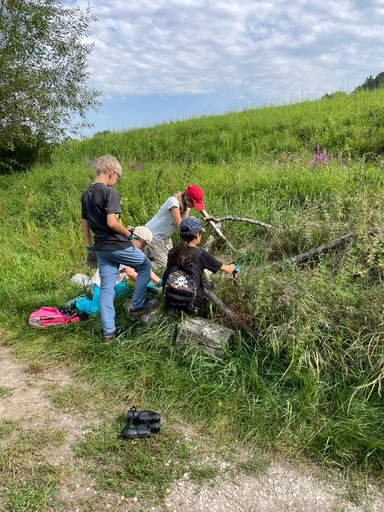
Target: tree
{"points": [[371, 83], [43, 77]]}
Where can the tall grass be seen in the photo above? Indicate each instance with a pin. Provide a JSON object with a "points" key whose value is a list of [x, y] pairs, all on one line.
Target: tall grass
{"points": [[309, 381]]}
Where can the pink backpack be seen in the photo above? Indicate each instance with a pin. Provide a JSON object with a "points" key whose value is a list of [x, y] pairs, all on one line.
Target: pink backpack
{"points": [[44, 317]]}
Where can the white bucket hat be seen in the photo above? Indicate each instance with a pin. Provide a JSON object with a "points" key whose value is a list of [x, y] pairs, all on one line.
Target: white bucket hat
{"points": [[143, 234]]}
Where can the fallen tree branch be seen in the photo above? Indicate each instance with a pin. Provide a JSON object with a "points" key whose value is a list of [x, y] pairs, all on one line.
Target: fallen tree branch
{"points": [[239, 219], [211, 238], [305, 256], [217, 230], [227, 311]]}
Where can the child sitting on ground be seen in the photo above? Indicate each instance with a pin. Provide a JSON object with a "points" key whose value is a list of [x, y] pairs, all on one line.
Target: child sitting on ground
{"points": [[141, 237]]}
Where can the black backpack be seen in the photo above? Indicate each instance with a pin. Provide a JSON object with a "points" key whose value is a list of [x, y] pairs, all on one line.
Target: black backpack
{"points": [[180, 287]]}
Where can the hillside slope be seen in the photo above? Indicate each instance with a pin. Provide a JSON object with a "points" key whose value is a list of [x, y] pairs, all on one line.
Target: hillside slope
{"points": [[309, 381]]}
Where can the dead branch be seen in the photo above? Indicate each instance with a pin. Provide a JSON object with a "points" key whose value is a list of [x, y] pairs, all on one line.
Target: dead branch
{"points": [[239, 219], [305, 256], [211, 238], [227, 311], [217, 230]]}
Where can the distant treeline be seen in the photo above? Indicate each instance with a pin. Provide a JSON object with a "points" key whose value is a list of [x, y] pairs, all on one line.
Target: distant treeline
{"points": [[369, 84]]}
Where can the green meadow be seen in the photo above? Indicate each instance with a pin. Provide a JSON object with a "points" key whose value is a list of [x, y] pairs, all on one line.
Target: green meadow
{"points": [[308, 383]]}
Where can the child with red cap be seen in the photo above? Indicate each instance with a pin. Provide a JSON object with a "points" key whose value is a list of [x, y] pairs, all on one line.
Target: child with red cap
{"points": [[167, 221]]}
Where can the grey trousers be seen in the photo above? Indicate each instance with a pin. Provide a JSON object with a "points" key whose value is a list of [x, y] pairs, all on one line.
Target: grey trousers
{"points": [[158, 252]]}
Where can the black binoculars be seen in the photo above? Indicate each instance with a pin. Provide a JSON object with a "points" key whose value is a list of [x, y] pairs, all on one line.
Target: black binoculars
{"points": [[147, 422]]}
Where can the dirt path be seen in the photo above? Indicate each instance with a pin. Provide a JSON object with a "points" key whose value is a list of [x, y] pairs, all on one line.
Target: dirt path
{"points": [[282, 487]]}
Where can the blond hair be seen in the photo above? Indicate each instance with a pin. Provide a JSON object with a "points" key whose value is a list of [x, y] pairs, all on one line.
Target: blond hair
{"points": [[107, 163], [180, 196]]}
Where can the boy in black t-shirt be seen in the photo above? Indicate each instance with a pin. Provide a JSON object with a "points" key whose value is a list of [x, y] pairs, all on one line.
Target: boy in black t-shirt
{"points": [[187, 254], [113, 246]]}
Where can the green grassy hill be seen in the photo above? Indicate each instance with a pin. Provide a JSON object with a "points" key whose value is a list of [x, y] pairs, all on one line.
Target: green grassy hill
{"points": [[309, 381]]}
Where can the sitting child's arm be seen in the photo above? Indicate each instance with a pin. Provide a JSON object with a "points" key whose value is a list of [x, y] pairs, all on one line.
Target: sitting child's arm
{"points": [[133, 275]]}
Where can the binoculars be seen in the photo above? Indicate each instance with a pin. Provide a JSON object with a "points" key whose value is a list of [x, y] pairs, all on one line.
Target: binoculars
{"points": [[146, 422]]}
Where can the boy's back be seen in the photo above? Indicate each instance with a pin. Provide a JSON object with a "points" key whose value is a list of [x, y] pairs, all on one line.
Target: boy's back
{"points": [[98, 201]]}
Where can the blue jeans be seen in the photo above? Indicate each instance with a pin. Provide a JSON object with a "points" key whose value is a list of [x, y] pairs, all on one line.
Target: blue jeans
{"points": [[91, 307], [109, 262]]}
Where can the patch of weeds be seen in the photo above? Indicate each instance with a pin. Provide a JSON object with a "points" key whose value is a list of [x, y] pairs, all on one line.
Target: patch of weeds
{"points": [[28, 484], [39, 438], [137, 466], [6, 427], [353, 487], [203, 472], [73, 397], [37, 490], [255, 466], [36, 367], [30, 447], [5, 391]]}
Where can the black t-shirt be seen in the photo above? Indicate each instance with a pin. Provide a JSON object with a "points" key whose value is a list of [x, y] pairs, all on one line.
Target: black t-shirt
{"points": [[97, 202], [204, 261]]}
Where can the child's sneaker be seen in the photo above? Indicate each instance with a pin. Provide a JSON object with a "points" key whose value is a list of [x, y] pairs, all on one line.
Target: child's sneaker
{"points": [[107, 338], [135, 314]]}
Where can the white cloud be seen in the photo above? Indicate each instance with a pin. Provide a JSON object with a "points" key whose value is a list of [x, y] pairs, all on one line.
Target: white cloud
{"points": [[257, 49]]}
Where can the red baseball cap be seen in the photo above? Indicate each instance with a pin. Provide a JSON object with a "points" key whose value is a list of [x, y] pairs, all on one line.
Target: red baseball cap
{"points": [[196, 195]]}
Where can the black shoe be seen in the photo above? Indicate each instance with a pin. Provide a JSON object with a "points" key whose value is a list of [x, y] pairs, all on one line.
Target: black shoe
{"points": [[146, 308], [107, 338]]}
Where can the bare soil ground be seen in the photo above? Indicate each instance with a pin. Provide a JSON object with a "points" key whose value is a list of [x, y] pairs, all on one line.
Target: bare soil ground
{"points": [[282, 487]]}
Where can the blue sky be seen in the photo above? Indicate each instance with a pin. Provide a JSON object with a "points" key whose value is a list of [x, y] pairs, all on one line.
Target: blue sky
{"points": [[159, 60]]}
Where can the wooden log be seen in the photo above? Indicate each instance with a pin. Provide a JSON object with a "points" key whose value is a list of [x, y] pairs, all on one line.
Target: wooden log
{"points": [[204, 335], [225, 309], [305, 256], [228, 312]]}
